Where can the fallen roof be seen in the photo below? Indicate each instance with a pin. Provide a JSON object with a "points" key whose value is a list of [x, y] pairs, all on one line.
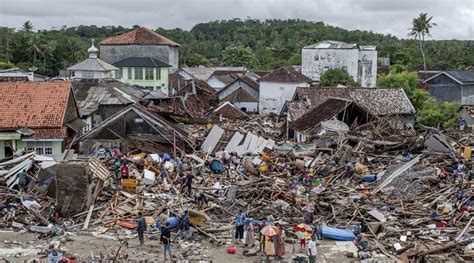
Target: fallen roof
{"points": [[463, 77], [33, 104], [141, 62], [285, 74], [93, 64], [157, 122], [91, 93], [139, 36], [330, 108], [379, 101]]}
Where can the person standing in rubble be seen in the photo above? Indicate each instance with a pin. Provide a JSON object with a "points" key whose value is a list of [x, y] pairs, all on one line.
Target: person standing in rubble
{"points": [[124, 170], [239, 225], [184, 221], [166, 240], [22, 180], [462, 123], [249, 238], [312, 250], [117, 165], [279, 242], [141, 227], [189, 182], [309, 212]]}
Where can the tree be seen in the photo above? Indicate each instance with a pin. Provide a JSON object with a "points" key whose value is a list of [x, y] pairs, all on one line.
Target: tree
{"points": [[336, 76], [420, 29], [239, 56], [6, 65], [27, 26], [195, 60], [429, 111]]}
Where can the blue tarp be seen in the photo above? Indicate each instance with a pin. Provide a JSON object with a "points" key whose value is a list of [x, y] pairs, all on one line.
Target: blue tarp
{"points": [[337, 233]]}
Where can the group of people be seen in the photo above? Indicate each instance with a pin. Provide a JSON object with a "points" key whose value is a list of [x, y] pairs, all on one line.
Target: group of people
{"points": [[165, 236]]}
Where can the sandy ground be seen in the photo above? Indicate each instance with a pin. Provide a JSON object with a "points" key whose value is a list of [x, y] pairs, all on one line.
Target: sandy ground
{"points": [[18, 247]]}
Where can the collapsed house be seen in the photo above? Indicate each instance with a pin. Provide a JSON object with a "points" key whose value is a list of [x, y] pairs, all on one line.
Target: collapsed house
{"points": [[98, 99], [135, 127], [243, 93], [381, 102], [331, 115], [37, 116], [191, 104]]}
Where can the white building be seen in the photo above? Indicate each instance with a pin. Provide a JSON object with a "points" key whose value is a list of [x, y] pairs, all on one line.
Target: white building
{"points": [[93, 67], [16, 74], [359, 61], [277, 87]]}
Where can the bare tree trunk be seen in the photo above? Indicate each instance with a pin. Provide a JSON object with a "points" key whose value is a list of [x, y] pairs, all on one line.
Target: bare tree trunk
{"points": [[423, 53]]}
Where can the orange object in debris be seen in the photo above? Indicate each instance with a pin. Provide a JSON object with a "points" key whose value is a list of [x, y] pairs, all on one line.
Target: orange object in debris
{"points": [[129, 185], [365, 191], [127, 224], [230, 249]]}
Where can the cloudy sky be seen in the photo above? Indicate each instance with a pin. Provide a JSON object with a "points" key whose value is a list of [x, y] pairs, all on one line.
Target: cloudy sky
{"points": [[455, 18]]}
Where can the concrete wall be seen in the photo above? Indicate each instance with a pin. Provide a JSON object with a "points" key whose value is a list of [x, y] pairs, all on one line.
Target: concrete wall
{"points": [[316, 61], [114, 53], [160, 81], [360, 64], [273, 95], [367, 75]]}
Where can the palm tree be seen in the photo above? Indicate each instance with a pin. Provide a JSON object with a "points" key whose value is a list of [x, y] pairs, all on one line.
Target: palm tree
{"points": [[420, 29], [27, 26]]}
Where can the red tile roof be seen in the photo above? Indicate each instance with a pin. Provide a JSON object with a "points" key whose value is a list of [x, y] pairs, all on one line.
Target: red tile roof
{"points": [[139, 36], [285, 74], [58, 133], [33, 104]]}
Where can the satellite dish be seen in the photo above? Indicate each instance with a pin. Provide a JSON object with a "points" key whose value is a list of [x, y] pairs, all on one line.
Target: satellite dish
{"points": [[33, 69]]}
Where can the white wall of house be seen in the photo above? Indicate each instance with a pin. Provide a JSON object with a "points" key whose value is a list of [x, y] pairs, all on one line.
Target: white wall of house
{"points": [[360, 64], [249, 106], [315, 61], [18, 73], [273, 95], [300, 137]]}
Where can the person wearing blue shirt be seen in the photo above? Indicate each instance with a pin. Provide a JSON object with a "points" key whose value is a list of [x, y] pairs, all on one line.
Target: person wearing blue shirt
{"points": [[239, 225]]}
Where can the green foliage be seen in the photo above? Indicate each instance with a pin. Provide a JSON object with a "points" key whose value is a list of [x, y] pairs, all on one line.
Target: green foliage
{"points": [[6, 65], [337, 76], [194, 60], [239, 56], [420, 29], [274, 42], [429, 111]]}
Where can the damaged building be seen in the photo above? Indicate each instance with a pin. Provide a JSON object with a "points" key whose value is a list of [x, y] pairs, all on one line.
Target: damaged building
{"points": [[380, 102], [359, 61], [332, 115], [98, 99], [135, 127]]}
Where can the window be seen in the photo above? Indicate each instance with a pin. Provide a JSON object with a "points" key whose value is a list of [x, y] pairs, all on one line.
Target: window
{"points": [[139, 120], [158, 73], [129, 73], [138, 73], [149, 73], [40, 147], [87, 74]]}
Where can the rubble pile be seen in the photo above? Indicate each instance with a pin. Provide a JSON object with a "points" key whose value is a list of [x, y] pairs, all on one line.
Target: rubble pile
{"points": [[385, 186]]}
